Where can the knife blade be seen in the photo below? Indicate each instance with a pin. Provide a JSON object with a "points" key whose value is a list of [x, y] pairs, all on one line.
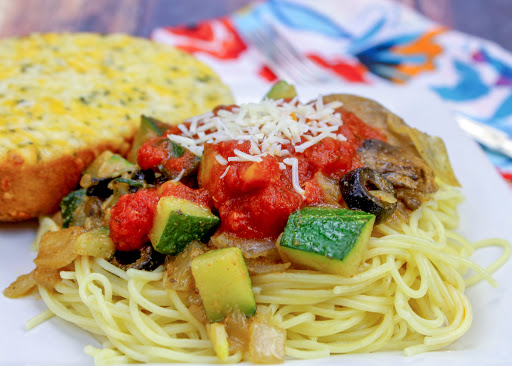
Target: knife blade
{"points": [[488, 136]]}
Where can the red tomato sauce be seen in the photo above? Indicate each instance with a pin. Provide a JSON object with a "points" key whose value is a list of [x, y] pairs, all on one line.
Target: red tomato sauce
{"points": [[254, 199], [131, 218]]}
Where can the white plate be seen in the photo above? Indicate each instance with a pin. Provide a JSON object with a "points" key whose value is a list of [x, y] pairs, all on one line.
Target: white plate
{"points": [[486, 213]]}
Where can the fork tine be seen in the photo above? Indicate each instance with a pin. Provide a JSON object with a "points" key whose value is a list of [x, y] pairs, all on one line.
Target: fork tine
{"points": [[310, 71], [278, 60], [282, 56]]}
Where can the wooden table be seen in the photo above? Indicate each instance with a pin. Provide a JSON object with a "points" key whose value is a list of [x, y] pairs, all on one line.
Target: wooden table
{"points": [[485, 18]]}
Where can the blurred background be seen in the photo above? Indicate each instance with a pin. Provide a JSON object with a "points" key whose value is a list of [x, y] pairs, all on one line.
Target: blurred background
{"points": [[488, 19]]}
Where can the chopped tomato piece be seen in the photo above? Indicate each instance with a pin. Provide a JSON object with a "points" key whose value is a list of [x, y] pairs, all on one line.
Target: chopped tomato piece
{"points": [[131, 219], [149, 157], [176, 189], [166, 156]]}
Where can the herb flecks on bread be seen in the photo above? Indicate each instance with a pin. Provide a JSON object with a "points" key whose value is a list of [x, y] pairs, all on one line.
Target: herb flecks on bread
{"points": [[65, 98]]}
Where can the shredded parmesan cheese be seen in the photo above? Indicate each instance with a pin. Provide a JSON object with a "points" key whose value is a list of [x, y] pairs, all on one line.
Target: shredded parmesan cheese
{"points": [[178, 178], [225, 172], [294, 162], [267, 125], [221, 160], [245, 157], [272, 127]]}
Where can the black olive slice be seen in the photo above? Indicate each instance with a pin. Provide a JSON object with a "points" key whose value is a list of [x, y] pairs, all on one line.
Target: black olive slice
{"points": [[367, 190], [99, 188], [146, 259], [146, 175]]}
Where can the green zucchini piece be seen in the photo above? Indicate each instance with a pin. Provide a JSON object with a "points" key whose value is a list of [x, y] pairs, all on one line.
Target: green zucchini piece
{"points": [[282, 90], [179, 222], [331, 240], [148, 129], [177, 150], [95, 243], [331, 211], [223, 282], [109, 165], [68, 206]]}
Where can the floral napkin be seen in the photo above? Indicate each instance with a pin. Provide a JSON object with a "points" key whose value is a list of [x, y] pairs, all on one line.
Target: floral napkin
{"points": [[365, 41]]}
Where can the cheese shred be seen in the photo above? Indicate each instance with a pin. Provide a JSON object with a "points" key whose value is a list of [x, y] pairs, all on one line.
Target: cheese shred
{"points": [[268, 127]]}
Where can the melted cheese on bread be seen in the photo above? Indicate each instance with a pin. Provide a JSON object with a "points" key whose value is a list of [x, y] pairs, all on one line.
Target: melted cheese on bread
{"points": [[61, 92]]}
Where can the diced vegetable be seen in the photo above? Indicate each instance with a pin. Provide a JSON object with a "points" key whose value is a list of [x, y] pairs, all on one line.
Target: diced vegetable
{"points": [[331, 240], [148, 129], [23, 286], [330, 188], [178, 274], [237, 327], [132, 218], [251, 248], [219, 338], [99, 188], [356, 189], [282, 90], [98, 176], [208, 165], [56, 249], [167, 157], [109, 165], [47, 277], [223, 283], [180, 161], [95, 243], [266, 343], [199, 196], [68, 206], [179, 222]]}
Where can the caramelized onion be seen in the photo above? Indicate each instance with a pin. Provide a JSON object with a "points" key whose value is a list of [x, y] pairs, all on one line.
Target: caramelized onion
{"points": [[251, 248], [178, 275], [198, 312], [330, 189], [56, 249], [23, 286], [257, 266], [266, 343], [237, 327], [46, 277]]}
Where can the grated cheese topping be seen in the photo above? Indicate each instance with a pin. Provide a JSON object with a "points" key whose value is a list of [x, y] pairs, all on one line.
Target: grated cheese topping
{"points": [[294, 163], [60, 93], [267, 126], [178, 178]]}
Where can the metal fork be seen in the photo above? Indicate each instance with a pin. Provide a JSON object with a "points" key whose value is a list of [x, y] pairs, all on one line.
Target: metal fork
{"points": [[284, 59]]}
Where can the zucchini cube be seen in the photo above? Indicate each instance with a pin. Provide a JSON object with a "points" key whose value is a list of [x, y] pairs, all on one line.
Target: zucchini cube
{"points": [[223, 282], [179, 222], [331, 240]]}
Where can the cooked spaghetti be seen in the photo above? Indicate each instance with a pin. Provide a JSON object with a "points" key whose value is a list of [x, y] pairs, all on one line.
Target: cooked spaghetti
{"points": [[409, 295], [261, 231]]}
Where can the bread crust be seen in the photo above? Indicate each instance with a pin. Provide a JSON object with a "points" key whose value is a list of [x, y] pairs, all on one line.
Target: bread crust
{"points": [[70, 96], [29, 190]]}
